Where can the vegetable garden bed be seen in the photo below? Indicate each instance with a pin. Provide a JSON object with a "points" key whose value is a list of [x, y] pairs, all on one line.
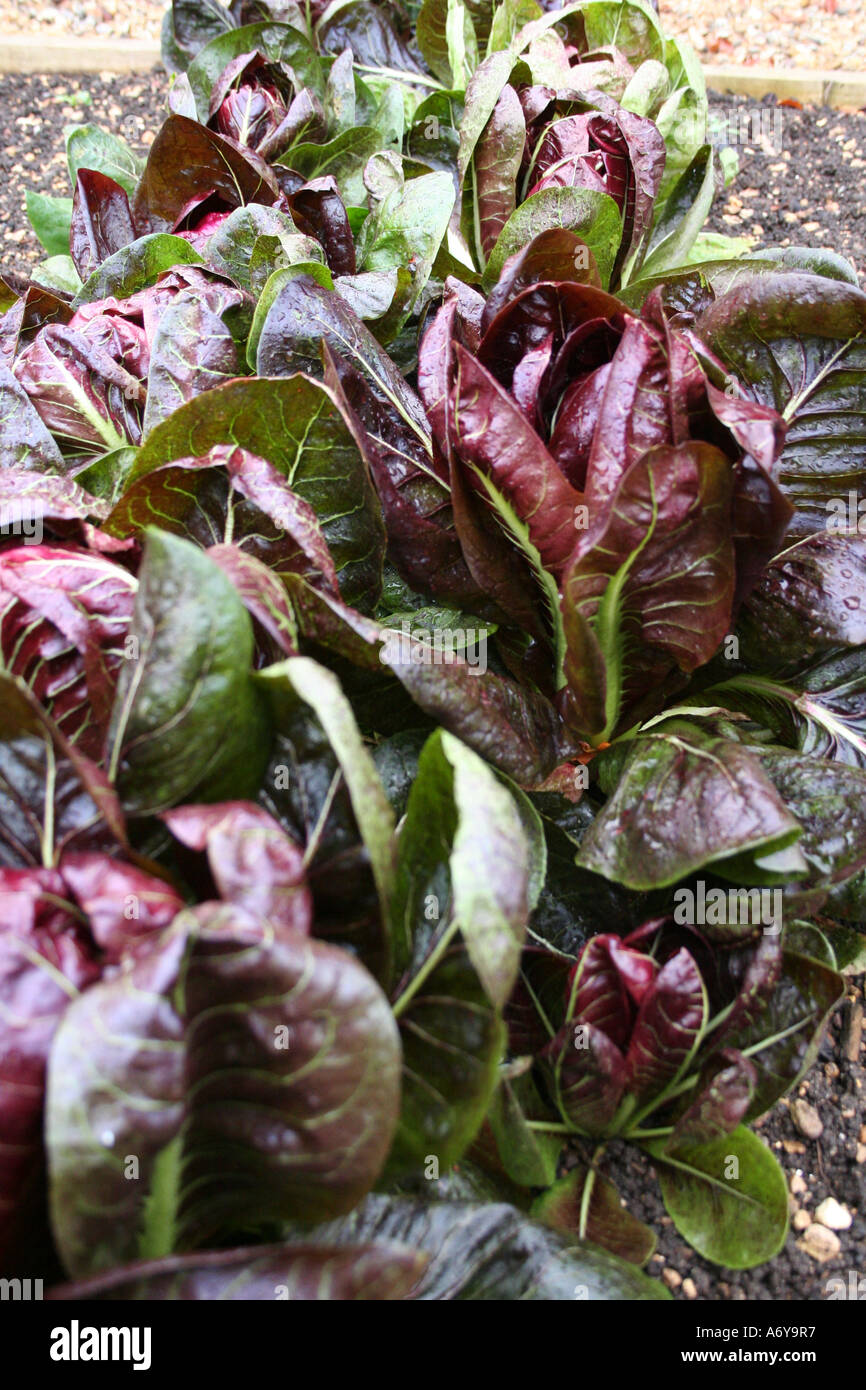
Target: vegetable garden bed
{"points": [[432, 717]]}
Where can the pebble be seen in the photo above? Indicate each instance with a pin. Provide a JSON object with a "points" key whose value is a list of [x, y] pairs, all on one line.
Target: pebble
{"points": [[690, 1288], [801, 1220], [671, 1278], [832, 1214], [807, 1119], [820, 1243], [798, 1184]]}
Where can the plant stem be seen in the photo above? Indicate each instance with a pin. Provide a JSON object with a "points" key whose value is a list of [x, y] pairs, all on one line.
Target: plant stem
{"points": [[426, 969], [588, 1188]]}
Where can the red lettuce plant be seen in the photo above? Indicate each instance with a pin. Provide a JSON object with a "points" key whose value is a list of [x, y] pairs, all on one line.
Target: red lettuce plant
{"points": [[90, 376], [593, 438], [661, 1042]]}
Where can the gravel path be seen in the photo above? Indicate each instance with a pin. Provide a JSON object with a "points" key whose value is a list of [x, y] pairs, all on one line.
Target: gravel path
{"points": [[122, 19], [776, 33]]}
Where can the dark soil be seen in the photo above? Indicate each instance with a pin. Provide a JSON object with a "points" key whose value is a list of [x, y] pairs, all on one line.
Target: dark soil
{"points": [[827, 1165], [34, 112], [803, 184]]}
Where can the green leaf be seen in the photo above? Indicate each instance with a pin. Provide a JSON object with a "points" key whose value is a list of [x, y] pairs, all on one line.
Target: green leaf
{"points": [[815, 260], [261, 1273], [341, 98], [482, 95], [254, 242], [459, 917], [106, 476], [509, 17], [782, 1042], [432, 38], [187, 26], [685, 800], [88, 147], [798, 341], [849, 948], [805, 939], [57, 273], [341, 159], [584, 1199], [300, 320], [136, 266], [314, 270], [819, 712], [390, 116], [446, 37], [683, 216], [489, 1251], [647, 89], [592, 215], [302, 679], [829, 800], [287, 1113], [295, 424], [715, 246], [630, 27], [682, 123], [406, 230], [462, 820], [529, 1156], [728, 1198], [50, 219], [806, 603], [187, 719], [515, 728]]}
